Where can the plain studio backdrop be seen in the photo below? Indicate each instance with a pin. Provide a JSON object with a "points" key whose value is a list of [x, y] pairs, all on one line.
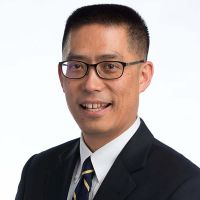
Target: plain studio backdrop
{"points": [[33, 111]]}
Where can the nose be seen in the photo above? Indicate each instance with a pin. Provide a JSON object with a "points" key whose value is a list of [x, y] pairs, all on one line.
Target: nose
{"points": [[92, 82]]}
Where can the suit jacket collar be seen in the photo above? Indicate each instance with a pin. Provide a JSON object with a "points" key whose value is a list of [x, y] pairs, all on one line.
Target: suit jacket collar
{"points": [[119, 181]]}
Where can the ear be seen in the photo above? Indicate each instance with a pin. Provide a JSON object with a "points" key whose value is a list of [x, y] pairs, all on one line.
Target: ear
{"points": [[145, 75], [60, 75]]}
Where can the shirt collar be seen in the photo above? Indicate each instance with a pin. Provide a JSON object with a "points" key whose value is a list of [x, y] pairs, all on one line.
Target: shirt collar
{"points": [[108, 152]]}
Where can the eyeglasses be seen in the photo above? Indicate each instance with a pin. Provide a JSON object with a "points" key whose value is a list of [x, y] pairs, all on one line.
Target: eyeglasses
{"points": [[74, 69]]}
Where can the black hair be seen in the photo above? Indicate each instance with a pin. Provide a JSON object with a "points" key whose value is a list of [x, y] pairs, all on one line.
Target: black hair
{"points": [[111, 14]]}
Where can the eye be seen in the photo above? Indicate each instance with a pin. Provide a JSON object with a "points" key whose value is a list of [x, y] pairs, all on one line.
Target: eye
{"points": [[75, 66], [111, 66]]}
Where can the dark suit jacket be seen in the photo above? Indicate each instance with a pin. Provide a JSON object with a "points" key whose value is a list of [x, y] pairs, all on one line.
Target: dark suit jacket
{"points": [[146, 169]]}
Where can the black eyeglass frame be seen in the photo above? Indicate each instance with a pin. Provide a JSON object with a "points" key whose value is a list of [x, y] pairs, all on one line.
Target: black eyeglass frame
{"points": [[124, 64]]}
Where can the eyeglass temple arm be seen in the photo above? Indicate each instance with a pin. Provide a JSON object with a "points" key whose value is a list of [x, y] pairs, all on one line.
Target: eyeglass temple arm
{"points": [[135, 62]]}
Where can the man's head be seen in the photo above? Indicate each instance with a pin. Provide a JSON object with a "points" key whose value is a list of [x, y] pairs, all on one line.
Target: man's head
{"points": [[104, 108]]}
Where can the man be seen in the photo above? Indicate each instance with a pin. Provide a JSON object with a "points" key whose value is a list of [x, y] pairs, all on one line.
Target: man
{"points": [[104, 69]]}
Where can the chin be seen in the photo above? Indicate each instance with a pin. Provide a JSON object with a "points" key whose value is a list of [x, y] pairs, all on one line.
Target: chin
{"points": [[95, 131]]}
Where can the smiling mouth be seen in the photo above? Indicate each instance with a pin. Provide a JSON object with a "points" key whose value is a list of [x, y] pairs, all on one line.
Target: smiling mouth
{"points": [[94, 107]]}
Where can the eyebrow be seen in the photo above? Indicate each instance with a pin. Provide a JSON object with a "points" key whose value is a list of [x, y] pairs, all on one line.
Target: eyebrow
{"points": [[110, 56], [107, 56]]}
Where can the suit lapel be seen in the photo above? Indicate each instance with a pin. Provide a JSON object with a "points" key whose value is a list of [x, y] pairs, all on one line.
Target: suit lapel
{"points": [[119, 182], [59, 179]]}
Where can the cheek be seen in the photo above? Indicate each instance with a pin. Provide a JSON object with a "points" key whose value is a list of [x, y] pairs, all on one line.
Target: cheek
{"points": [[70, 91], [127, 89], [66, 85], [127, 96], [69, 88]]}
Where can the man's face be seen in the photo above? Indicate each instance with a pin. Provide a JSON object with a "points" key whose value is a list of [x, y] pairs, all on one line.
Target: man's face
{"points": [[102, 108]]}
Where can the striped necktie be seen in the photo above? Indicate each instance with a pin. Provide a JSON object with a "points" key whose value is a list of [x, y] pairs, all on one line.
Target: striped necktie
{"points": [[84, 185]]}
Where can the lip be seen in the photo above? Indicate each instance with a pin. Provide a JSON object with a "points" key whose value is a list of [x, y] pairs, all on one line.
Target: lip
{"points": [[94, 108]]}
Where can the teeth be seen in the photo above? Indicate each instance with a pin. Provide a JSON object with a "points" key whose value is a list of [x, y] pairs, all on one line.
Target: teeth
{"points": [[94, 106], [89, 106]]}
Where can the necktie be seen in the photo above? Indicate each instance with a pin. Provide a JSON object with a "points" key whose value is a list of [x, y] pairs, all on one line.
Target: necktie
{"points": [[84, 185]]}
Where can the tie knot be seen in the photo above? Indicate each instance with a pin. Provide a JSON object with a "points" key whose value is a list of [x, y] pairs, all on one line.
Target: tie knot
{"points": [[87, 167]]}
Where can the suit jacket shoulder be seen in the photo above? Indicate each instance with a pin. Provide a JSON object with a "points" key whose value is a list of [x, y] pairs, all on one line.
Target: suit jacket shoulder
{"points": [[47, 175]]}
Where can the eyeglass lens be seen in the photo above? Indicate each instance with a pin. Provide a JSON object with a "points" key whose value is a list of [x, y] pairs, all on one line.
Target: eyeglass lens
{"points": [[107, 69]]}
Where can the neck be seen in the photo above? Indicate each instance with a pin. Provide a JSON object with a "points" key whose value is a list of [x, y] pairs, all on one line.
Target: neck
{"points": [[94, 143]]}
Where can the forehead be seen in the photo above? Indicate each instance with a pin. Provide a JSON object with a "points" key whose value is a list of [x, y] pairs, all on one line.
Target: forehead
{"points": [[97, 39], [94, 27]]}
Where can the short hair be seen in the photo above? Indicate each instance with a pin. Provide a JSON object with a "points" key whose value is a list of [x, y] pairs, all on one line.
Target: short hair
{"points": [[111, 14]]}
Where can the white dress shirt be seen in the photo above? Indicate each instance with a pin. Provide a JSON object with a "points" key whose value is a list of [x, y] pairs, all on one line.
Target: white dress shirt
{"points": [[102, 159]]}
